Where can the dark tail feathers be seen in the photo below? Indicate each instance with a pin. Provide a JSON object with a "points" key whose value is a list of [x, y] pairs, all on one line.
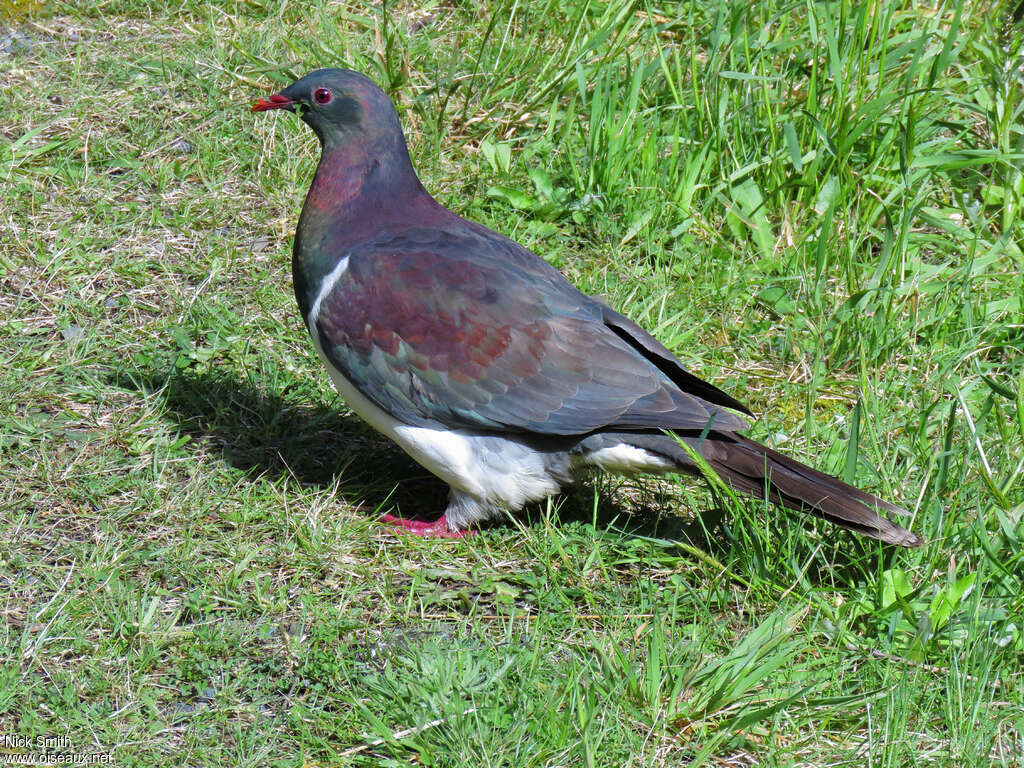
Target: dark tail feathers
{"points": [[752, 468]]}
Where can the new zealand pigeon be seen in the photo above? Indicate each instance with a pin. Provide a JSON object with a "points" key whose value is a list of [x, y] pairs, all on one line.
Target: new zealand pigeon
{"points": [[481, 360]]}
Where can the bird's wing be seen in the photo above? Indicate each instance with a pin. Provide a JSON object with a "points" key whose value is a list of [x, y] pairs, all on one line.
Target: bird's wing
{"points": [[467, 329]]}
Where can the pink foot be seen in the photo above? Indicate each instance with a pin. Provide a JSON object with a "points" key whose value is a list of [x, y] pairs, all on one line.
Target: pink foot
{"points": [[437, 529]]}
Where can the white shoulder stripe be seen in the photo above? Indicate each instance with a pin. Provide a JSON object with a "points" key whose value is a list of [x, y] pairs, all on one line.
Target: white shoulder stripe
{"points": [[325, 288]]}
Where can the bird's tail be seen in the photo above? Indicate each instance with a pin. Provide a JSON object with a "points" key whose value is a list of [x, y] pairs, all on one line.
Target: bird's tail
{"points": [[757, 470]]}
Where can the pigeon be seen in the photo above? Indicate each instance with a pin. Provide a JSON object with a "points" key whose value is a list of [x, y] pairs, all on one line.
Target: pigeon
{"points": [[483, 362]]}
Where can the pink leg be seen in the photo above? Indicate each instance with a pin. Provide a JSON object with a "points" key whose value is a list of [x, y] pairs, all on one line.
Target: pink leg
{"points": [[436, 529]]}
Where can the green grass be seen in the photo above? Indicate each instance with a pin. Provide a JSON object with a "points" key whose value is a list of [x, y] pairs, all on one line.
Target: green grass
{"points": [[815, 205]]}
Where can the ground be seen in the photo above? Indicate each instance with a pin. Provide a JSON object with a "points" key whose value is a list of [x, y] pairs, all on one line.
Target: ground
{"points": [[816, 206]]}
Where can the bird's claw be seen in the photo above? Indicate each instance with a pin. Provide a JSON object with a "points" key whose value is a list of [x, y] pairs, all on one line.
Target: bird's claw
{"points": [[437, 529]]}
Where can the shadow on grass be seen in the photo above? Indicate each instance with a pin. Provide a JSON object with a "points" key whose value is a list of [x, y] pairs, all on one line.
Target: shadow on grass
{"points": [[271, 432]]}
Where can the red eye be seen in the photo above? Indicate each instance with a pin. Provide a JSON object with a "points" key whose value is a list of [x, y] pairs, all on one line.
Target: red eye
{"points": [[322, 96]]}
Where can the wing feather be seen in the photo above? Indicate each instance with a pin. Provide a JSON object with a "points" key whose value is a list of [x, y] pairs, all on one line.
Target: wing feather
{"points": [[468, 329]]}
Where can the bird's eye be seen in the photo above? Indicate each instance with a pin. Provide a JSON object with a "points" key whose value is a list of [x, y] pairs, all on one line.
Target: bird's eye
{"points": [[322, 96]]}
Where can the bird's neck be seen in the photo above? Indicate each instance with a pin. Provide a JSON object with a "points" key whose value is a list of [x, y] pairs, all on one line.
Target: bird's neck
{"points": [[357, 192]]}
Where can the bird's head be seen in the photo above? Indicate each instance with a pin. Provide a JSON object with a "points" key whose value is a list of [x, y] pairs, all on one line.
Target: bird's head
{"points": [[340, 105]]}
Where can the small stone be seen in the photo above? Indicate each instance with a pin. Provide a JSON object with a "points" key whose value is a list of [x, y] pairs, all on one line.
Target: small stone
{"points": [[181, 146], [14, 42], [71, 332]]}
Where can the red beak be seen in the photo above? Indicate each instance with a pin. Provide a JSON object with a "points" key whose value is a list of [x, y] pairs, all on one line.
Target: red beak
{"points": [[276, 101]]}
